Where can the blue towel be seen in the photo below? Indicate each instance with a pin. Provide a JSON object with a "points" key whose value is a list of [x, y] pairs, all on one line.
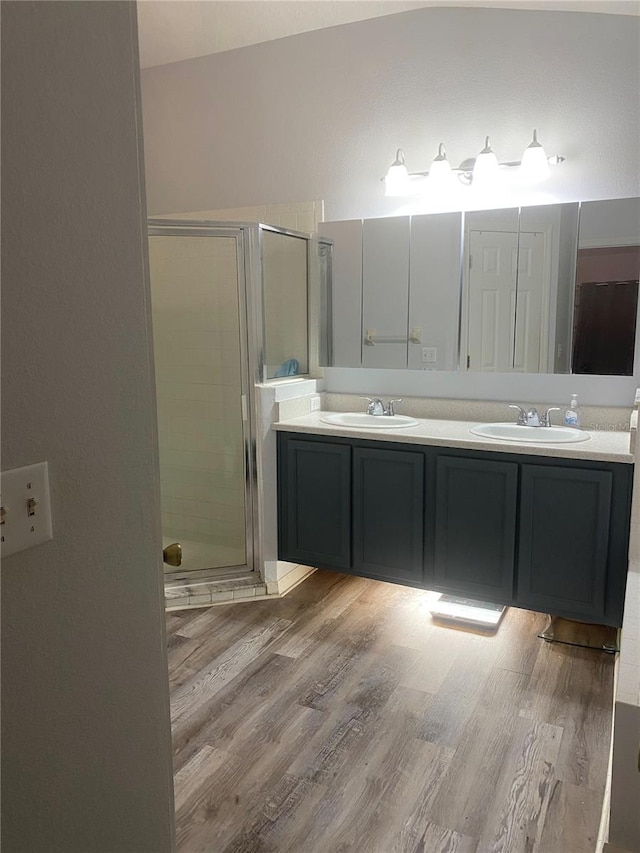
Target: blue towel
{"points": [[288, 368]]}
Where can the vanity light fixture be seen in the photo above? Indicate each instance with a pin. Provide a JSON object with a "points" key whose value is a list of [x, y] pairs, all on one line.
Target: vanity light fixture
{"points": [[486, 166], [535, 163], [397, 181], [441, 173], [482, 170]]}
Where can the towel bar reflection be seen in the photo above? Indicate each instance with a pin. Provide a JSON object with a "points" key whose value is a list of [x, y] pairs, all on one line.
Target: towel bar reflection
{"points": [[371, 338]]}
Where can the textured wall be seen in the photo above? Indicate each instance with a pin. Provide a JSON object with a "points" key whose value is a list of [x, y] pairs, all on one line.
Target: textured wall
{"points": [[319, 115], [86, 751]]}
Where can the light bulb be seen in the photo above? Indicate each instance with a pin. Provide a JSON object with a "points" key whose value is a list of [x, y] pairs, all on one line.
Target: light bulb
{"points": [[396, 182], [440, 174], [486, 167], [535, 165]]}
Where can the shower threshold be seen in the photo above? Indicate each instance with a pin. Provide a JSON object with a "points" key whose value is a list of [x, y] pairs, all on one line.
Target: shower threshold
{"points": [[220, 586], [209, 574]]}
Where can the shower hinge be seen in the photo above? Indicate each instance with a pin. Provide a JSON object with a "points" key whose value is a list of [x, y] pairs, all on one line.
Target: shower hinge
{"points": [[243, 403]]}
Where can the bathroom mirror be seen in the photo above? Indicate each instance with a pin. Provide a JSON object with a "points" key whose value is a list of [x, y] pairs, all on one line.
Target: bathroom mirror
{"points": [[544, 289]]}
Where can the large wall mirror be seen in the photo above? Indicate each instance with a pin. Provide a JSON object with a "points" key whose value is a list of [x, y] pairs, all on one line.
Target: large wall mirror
{"points": [[545, 289]]}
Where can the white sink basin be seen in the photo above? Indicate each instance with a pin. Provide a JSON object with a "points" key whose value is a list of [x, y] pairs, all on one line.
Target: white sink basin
{"points": [[536, 435], [361, 420]]}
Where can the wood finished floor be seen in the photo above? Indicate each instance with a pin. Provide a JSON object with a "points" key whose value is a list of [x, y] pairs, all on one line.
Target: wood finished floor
{"points": [[340, 719]]}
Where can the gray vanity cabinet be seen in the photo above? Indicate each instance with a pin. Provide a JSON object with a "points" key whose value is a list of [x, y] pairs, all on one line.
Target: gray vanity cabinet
{"points": [[537, 532], [315, 519], [388, 514], [565, 519], [475, 527]]}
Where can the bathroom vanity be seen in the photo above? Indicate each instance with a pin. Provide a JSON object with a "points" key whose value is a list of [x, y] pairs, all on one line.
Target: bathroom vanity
{"points": [[543, 527]]}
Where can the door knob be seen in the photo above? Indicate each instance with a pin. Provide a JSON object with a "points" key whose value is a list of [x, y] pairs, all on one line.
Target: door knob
{"points": [[172, 554]]}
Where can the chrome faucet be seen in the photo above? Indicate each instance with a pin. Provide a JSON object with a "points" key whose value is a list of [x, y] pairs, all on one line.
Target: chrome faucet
{"points": [[545, 420], [377, 407], [532, 418], [522, 416], [390, 410]]}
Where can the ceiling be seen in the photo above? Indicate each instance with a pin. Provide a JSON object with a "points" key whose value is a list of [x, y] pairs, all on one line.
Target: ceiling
{"points": [[174, 30]]}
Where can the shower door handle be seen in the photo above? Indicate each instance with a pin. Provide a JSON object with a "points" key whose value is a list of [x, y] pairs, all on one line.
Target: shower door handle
{"points": [[172, 554]]}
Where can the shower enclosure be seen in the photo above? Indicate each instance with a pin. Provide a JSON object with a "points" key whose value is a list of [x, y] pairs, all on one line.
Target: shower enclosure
{"points": [[230, 308]]}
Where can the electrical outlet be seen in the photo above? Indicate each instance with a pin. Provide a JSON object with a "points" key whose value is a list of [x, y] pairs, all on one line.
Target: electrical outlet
{"points": [[429, 355], [315, 404], [26, 508]]}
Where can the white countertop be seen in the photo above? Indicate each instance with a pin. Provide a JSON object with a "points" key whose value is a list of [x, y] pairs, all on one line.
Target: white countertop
{"points": [[602, 446]]}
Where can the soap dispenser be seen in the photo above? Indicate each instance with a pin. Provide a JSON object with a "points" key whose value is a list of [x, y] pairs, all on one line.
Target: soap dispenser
{"points": [[572, 415]]}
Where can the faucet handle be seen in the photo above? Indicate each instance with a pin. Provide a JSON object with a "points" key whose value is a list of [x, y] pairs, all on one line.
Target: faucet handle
{"points": [[375, 407], [522, 417], [390, 410], [545, 420]]}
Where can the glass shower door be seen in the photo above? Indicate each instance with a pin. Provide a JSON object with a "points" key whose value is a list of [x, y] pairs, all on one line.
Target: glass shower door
{"points": [[199, 329]]}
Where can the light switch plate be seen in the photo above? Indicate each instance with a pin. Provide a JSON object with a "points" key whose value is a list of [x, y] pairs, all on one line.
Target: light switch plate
{"points": [[24, 493]]}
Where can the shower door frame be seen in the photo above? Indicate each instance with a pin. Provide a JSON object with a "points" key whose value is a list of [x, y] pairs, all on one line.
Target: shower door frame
{"points": [[258, 294], [248, 283]]}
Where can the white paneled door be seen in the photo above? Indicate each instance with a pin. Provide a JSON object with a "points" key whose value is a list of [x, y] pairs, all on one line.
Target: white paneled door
{"points": [[504, 302]]}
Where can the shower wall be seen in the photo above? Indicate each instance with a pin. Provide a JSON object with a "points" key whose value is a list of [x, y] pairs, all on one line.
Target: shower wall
{"points": [[197, 356]]}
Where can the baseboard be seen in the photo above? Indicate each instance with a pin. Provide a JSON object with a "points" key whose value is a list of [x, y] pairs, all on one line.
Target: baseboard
{"points": [[285, 584]]}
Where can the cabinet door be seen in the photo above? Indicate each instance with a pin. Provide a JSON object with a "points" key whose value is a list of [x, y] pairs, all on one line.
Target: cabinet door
{"points": [[475, 527], [388, 514], [315, 503], [564, 540], [346, 291], [385, 291]]}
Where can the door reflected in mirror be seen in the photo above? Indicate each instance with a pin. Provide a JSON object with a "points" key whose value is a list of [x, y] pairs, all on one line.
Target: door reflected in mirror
{"points": [[518, 289], [606, 293], [489, 290]]}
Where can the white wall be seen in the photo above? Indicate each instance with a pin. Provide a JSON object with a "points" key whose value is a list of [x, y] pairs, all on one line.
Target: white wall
{"points": [[86, 750], [320, 115]]}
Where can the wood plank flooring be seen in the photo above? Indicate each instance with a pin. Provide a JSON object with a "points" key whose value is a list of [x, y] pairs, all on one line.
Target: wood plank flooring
{"points": [[341, 719]]}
